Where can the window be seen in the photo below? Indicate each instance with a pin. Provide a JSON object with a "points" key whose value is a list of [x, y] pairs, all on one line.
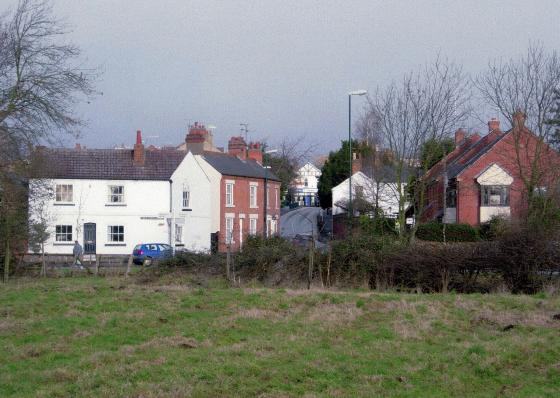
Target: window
{"points": [[63, 233], [116, 194], [178, 233], [229, 230], [268, 198], [306, 183], [253, 226], [495, 195], [359, 191], [115, 233], [186, 198], [451, 197], [253, 196], [64, 193], [229, 194]]}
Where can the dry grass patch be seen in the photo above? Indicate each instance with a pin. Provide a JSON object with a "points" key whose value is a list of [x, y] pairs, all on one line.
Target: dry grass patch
{"points": [[507, 319], [334, 313]]}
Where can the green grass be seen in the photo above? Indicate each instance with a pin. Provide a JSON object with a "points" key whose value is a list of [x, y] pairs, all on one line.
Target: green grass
{"points": [[93, 337]]}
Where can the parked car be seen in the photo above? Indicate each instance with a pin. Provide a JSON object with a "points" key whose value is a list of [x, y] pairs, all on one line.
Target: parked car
{"points": [[146, 253]]}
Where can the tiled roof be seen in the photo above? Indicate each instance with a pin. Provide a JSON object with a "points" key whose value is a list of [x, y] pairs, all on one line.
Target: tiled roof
{"points": [[233, 166], [107, 164]]}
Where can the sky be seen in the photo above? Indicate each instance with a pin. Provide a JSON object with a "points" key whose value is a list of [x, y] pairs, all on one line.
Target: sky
{"points": [[283, 67]]}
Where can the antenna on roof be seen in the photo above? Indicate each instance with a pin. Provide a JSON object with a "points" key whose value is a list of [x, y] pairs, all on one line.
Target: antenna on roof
{"points": [[245, 130]]}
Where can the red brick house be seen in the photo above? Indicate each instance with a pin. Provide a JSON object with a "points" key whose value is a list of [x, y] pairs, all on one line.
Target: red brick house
{"points": [[489, 176], [249, 194]]}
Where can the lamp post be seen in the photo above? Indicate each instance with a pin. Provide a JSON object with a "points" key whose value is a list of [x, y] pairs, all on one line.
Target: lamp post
{"points": [[350, 94], [265, 195]]}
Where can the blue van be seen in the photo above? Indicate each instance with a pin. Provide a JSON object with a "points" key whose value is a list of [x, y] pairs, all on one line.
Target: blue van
{"points": [[146, 253]]}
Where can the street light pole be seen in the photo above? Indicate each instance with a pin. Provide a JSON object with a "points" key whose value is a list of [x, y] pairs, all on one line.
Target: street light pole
{"points": [[350, 94]]}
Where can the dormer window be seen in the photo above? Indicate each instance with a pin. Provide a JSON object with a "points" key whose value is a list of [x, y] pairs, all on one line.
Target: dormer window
{"points": [[64, 193]]}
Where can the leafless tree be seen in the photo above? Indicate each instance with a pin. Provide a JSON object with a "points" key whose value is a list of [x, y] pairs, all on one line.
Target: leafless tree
{"points": [[527, 83], [428, 104], [41, 80]]}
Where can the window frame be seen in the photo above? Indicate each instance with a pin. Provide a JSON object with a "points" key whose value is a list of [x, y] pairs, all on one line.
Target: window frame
{"points": [[229, 231], [118, 233], [485, 195], [59, 195], [178, 233], [253, 195], [229, 194], [186, 198], [119, 196], [58, 232], [253, 226]]}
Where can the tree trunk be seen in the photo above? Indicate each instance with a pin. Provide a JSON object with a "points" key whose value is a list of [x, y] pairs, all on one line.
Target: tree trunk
{"points": [[128, 265], [7, 261], [329, 258], [44, 264], [311, 258]]}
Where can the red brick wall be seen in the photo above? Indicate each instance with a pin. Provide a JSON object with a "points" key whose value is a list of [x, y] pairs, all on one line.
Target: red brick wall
{"points": [[241, 205]]}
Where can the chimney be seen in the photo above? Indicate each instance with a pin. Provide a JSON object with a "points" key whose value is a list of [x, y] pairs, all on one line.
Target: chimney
{"points": [[493, 124], [237, 147], [198, 139], [519, 119], [255, 152], [460, 136], [138, 152], [356, 163]]}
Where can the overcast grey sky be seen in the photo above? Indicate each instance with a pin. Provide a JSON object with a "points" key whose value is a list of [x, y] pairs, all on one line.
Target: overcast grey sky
{"points": [[282, 66]]}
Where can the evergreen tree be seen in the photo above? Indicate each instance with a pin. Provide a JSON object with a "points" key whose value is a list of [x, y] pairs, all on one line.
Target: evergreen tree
{"points": [[335, 170]]}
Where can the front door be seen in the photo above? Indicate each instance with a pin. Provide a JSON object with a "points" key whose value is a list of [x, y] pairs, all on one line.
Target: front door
{"points": [[89, 238]]}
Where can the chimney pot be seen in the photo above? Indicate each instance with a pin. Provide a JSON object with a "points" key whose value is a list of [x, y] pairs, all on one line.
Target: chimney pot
{"points": [[493, 124], [138, 136], [138, 155]]}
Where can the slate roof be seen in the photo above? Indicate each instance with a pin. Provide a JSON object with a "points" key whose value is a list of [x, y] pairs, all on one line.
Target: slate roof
{"points": [[107, 164], [459, 161], [233, 166]]}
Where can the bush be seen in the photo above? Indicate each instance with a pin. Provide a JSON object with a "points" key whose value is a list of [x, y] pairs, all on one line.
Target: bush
{"points": [[494, 228], [434, 232]]}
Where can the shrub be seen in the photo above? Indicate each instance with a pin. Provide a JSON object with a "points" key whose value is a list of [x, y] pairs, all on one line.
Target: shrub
{"points": [[438, 232]]}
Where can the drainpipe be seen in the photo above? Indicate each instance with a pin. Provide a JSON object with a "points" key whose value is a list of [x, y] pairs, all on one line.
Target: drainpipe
{"points": [[171, 213]]}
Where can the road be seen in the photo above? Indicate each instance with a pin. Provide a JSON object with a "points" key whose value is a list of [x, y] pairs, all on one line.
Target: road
{"points": [[298, 222]]}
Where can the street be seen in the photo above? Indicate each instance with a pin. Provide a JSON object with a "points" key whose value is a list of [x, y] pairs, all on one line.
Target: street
{"points": [[302, 221]]}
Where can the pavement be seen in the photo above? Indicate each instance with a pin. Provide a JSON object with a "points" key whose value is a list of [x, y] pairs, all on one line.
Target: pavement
{"points": [[301, 221]]}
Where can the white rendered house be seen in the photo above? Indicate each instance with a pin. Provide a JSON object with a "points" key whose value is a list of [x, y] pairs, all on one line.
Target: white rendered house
{"points": [[109, 200], [304, 188], [384, 194]]}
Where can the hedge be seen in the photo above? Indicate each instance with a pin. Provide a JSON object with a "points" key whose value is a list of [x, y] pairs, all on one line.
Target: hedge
{"points": [[433, 232]]}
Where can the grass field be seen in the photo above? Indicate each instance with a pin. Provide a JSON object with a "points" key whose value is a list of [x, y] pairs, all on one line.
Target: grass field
{"points": [[95, 337]]}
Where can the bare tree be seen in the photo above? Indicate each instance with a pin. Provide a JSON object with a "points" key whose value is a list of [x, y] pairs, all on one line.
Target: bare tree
{"points": [[527, 84], [424, 105], [40, 82]]}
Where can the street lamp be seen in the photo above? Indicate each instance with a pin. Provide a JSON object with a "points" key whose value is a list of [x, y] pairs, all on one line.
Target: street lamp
{"points": [[350, 94], [265, 230]]}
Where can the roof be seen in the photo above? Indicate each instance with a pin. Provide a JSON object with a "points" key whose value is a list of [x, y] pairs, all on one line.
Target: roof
{"points": [[234, 166], [465, 155], [107, 164]]}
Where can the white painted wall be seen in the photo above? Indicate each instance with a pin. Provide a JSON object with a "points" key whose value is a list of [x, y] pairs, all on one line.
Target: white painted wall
{"points": [[487, 212], [197, 219], [388, 197], [215, 179], [450, 216]]}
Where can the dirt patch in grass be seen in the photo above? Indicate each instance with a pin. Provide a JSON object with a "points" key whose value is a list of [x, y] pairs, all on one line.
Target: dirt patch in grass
{"points": [[508, 319]]}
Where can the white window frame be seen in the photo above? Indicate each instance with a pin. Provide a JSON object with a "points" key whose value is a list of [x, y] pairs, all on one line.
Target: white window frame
{"points": [[115, 233], [253, 192], [64, 193], [186, 198], [178, 233], [116, 194], [253, 226], [229, 230], [63, 233], [229, 194]]}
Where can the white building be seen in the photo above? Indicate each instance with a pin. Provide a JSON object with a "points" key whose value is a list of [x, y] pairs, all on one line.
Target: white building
{"points": [[384, 194], [110, 200], [304, 188]]}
